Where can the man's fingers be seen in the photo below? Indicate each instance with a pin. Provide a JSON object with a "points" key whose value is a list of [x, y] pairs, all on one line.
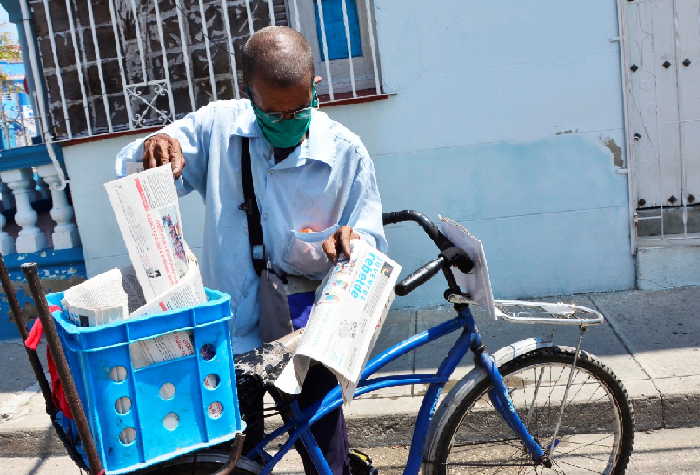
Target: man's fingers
{"points": [[177, 160], [329, 248], [163, 152], [149, 159], [344, 234]]}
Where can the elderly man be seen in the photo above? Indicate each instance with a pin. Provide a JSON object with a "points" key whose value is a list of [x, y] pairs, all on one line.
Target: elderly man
{"points": [[314, 186]]}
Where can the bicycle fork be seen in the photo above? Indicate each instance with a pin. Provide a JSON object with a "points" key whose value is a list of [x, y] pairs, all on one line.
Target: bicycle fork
{"points": [[500, 398]]}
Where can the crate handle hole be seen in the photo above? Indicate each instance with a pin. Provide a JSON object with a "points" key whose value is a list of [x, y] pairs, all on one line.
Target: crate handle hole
{"points": [[123, 405], [167, 391], [212, 381], [215, 410], [117, 374], [171, 421], [127, 436], [207, 352]]}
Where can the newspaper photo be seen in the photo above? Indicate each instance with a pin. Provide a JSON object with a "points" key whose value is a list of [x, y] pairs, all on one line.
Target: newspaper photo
{"points": [[188, 292], [148, 214], [348, 313]]}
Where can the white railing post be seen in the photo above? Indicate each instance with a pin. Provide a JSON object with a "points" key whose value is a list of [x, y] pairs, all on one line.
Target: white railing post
{"points": [[43, 189], [8, 199], [7, 242], [21, 182], [65, 234]]}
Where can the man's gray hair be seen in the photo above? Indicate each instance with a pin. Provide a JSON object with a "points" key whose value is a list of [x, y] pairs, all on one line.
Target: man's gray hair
{"points": [[277, 54]]}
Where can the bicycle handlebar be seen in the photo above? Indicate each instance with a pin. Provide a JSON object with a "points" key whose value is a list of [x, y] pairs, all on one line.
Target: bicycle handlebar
{"points": [[428, 226], [449, 255], [419, 276]]}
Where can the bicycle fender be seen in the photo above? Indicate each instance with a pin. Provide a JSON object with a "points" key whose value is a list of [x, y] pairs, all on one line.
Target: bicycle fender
{"points": [[467, 383]]}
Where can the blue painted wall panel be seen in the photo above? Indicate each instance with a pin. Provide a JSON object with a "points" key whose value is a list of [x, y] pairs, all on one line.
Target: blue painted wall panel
{"points": [[552, 213]]}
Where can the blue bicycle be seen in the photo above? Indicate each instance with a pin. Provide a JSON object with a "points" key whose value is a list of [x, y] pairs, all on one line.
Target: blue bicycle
{"points": [[531, 407]]}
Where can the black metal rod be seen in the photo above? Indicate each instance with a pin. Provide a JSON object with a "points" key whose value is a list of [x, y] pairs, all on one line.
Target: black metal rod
{"points": [[31, 354], [64, 373], [236, 450]]}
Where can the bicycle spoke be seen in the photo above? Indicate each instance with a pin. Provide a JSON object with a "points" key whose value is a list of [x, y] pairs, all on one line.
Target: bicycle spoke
{"points": [[594, 393], [577, 466], [573, 398], [582, 445]]}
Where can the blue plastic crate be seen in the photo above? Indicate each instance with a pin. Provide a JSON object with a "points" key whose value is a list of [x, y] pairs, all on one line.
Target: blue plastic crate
{"points": [[161, 429]]}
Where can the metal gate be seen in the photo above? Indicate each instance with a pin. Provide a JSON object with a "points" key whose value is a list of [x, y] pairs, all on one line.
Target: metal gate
{"points": [[661, 64]]}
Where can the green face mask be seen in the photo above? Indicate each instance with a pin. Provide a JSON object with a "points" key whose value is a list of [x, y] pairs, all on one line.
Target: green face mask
{"points": [[282, 132]]}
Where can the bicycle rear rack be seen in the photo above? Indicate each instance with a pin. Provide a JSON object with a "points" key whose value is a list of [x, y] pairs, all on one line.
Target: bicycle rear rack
{"points": [[522, 311]]}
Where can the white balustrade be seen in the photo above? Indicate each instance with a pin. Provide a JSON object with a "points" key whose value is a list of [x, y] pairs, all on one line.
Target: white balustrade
{"points": [[7, 242], [65, 234], [42, 192], [21, 182], [8, 199]]}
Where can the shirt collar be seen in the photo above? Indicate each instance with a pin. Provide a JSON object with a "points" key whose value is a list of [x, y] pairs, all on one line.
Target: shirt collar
{"points": [[244, 123], [319, 145]]}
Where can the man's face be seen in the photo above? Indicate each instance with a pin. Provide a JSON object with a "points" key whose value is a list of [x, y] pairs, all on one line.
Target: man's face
{"points": [[273, 98]]}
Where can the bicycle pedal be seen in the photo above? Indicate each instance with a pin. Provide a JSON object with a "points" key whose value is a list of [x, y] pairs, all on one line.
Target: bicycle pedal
{"points": [[361, 463]]}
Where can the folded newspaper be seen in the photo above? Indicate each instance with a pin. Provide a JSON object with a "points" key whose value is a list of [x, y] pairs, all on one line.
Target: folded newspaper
{"points": [[164, 274], [97, 301], [348, 313]]}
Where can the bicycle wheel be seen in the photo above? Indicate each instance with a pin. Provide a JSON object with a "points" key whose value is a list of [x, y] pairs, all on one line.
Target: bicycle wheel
{"points": [[595, 435], [201, 463]]}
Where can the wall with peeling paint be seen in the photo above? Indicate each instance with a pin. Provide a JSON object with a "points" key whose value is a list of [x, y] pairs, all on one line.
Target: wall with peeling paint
{"points": [[507, 117]]}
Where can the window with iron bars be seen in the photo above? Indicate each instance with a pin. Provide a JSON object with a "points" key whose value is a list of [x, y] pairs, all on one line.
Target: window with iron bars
{"points": [[116, 65]]}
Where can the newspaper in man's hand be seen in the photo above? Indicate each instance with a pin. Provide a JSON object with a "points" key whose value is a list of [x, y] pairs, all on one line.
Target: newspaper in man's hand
{"points": [[148, 214], [347, 316]]}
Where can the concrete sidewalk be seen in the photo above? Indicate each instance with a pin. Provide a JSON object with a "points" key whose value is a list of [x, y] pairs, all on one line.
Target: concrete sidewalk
{"points": [[651, 341]]}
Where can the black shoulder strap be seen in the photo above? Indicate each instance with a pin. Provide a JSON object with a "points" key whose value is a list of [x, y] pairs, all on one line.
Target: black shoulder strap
{"points": [[250, 206]]}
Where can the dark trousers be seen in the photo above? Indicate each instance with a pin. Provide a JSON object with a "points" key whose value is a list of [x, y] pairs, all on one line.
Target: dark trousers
{"points": [[330, 432]]}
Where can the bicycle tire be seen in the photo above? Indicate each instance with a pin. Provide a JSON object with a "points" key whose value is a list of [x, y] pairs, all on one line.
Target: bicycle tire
{"points": [[200, 463], [464, 401]]}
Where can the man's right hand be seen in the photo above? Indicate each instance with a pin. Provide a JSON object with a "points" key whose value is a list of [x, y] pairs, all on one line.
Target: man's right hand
{"points": [[161, 149]]}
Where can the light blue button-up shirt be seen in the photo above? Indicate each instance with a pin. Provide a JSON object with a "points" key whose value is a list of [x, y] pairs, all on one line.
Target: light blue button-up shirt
{"points": [[326, 182]]}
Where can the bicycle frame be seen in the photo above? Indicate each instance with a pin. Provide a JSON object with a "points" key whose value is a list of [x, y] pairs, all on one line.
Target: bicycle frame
{"points": [[298, 427]]}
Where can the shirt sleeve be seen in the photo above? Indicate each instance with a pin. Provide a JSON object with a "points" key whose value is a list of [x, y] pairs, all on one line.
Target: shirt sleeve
{"points": [[363, 210], [193, 132]]}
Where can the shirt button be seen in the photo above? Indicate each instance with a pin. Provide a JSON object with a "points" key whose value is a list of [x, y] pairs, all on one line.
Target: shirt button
{"points": [[265, 216], [271, 171]]}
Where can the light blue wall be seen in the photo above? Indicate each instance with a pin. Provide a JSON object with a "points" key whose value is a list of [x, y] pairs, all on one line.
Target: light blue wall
{"points": [[480, 129], [484, 91]]}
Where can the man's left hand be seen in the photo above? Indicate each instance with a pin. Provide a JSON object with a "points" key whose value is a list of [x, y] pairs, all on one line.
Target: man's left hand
{"points": [[339, 243]]}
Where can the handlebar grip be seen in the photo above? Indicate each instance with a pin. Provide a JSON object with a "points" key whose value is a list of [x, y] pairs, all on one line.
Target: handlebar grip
{"points": [[393, 217], [419, 276]]}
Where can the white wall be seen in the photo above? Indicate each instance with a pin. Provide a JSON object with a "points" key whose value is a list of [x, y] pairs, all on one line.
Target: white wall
{"points": [[89, 166]]}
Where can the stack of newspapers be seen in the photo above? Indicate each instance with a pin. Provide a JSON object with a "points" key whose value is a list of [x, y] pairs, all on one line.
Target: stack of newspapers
{"points": [[164, 274]]}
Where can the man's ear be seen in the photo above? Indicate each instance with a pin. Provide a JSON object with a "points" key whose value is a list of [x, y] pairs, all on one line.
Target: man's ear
{"points": [[317, 79]]}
